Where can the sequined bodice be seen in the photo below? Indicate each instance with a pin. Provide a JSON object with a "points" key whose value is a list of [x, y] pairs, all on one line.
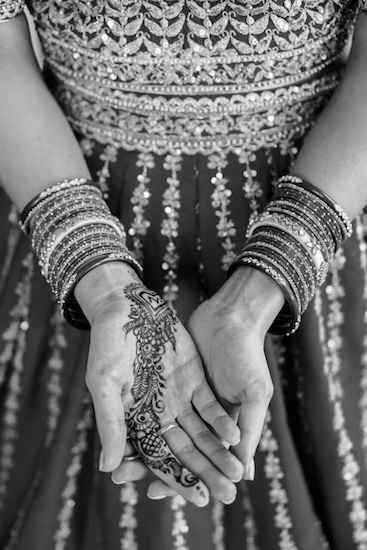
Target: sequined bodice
{"points": [[150, 69], [187, 47]]}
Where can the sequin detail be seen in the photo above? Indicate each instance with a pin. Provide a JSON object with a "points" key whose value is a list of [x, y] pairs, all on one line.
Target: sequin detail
{"points": [[221, 204], [108, 156], [331, 341], [169, 227], [13, 238], [15, 338], [251, 187], [55, 364], [179, 524], [128, 522], [263, 121], [249, 521], [361, 225], [68, 495], [186, 48], [140, 200], [218, 527], [278, 495], [10, 9], [199, 76]]}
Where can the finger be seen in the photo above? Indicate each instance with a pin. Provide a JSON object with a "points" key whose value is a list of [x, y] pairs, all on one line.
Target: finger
{"points": [[129, 449], [159, 458], [251, 421], [212, 412], [158, 490], [110, 418], [187, 453], [130, 470], [211, 446]]}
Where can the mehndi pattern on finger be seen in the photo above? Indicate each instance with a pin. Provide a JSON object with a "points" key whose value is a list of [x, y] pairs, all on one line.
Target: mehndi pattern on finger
{"points": [[153, 324]]}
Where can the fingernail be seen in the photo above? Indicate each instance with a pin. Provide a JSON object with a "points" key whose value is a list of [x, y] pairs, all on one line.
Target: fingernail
{"points": [[156, 497], [236, 440], [101, 462], [230, 501], [237, 479], [250, 470], [117, 481], [202, 503]]}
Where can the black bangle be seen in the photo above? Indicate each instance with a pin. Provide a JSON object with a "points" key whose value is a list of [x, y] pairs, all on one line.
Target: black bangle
{"points": [[48, 192], [288, 319]]}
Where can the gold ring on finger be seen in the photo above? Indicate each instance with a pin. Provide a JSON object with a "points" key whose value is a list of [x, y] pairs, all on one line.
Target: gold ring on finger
{"points": [[131, 457], [167, 427]]}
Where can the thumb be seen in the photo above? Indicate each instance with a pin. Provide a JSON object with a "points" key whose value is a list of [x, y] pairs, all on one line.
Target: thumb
{"points": [[110, 418], [253, 410]]}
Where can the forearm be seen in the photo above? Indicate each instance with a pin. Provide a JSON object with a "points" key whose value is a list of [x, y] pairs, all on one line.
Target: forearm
{"points": [[37, 145], [334, 159], [334, 155]]}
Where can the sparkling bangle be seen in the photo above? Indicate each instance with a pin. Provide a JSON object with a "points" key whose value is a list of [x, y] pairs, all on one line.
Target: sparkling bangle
{"points": [[310, 244], [31, 208], [72, 232], [293, 241]]}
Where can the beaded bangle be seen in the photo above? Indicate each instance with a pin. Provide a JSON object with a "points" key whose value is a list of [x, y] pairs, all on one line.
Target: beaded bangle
{"points": [[74, 250], [63, 258], [278, 263], [293, 241], [56, 215], [309, 189], [57, 239], [287, 319], [65, 271], [289, 257], [32, 206], [317, 220], [72, 231], [318, 223], [288, 243], [310, 244]]}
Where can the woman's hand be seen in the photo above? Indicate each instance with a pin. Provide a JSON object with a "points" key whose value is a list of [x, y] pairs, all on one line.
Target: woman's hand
{"points": [[229, 331], [144, 371]]}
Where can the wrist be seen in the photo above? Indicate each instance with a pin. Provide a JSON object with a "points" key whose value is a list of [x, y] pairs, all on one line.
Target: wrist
{"points": [[103, 288], [254, 295]]}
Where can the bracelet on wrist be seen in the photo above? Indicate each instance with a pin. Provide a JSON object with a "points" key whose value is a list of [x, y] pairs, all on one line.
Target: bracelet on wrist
{"points": [[294, 241], [72, 231]]}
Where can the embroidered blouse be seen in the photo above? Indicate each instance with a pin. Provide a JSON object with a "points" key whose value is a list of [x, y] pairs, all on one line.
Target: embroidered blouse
{"points": [[189, 75]]}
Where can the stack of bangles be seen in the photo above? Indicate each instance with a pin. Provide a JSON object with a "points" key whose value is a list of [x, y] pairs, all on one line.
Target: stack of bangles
{"points": [[294, 241], [72, 231]]}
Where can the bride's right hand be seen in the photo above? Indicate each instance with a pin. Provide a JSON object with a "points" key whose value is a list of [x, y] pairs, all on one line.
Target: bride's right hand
{"points": [[144, 373]]}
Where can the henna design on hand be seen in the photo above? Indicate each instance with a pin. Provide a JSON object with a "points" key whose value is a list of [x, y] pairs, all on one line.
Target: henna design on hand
{"points": [[153, 324]]}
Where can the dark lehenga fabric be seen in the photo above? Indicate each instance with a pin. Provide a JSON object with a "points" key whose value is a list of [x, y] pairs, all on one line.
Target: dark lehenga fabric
{"points": [[185, 212]]}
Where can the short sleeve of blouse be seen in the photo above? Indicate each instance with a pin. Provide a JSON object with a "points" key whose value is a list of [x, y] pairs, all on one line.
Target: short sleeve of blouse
{"points": [[10, 8]]}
